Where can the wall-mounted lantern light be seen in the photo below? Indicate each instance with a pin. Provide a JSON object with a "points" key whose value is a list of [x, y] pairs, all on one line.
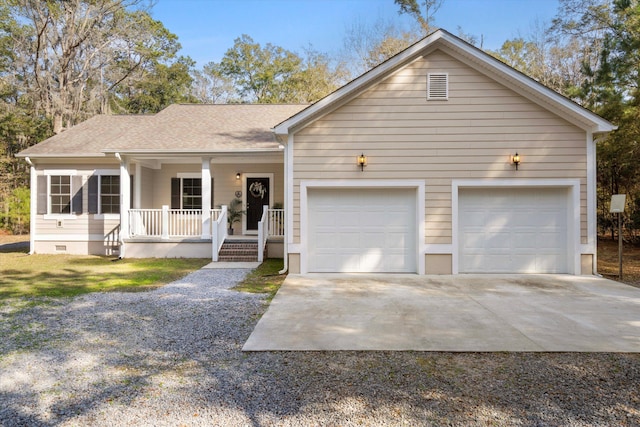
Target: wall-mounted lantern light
{"points": [[515, 160], [362, 161], [238, 175]]}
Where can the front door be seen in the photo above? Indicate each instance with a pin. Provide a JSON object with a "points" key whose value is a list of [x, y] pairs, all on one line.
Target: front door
{"points": [[257, 191]]}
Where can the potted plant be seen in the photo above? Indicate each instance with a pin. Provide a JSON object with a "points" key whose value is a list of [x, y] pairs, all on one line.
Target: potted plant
{"points": [[234, 213]]}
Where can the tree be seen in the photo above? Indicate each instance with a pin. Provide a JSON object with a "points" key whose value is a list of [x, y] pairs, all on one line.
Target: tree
{"points": [[412, 8], [71, 55], [611, 88], [270, 74], [368, 45]]}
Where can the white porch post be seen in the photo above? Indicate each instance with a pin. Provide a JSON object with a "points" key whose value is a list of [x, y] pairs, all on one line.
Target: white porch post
{"points": [[137, 187], [125, 197], [206, 197]]}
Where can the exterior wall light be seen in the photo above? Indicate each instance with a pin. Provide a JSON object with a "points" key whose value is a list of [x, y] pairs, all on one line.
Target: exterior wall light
{"points": [[515, 160], [362, 161], [238, 175]]}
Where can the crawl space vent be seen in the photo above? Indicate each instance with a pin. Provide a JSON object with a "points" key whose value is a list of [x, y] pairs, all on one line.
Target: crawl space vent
{"points": [[437, 86]]}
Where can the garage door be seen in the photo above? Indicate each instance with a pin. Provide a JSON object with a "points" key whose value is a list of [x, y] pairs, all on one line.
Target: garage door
{"points": [[513, 230], [361, 230]]}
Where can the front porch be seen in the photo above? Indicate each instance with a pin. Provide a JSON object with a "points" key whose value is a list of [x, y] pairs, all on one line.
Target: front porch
{"points": [[195, 233], [190, 206]]}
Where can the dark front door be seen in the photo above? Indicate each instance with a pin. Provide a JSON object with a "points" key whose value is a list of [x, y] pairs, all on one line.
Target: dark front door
{"points": [[257, 192]]}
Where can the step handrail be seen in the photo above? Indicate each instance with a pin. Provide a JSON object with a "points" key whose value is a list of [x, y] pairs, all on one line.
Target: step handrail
{"points": [[218, 233], [263, 232]]}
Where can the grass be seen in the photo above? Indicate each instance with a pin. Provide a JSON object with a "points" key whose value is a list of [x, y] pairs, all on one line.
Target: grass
{"points": [[264, 279], [23, 275]]}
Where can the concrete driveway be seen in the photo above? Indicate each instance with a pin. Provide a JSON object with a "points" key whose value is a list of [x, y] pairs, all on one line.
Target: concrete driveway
{"points": [[450, 313]]}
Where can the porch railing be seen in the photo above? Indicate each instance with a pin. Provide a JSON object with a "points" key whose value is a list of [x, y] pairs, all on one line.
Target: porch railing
{"points": [[167, 223], [145, 222], [276, 222], [185, 222], [218, 231]]}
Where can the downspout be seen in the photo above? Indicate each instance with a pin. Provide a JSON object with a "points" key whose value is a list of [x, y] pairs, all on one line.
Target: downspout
{"points": [[32, 205], [121, 255], [285, 248]]}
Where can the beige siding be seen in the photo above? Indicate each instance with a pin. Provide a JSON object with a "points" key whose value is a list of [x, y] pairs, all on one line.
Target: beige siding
{"points": [[469, 136], [224, 180], [76, 231]]}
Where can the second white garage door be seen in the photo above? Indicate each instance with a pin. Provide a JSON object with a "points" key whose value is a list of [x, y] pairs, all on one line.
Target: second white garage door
{"points": [[362, 230], [517, 230]]}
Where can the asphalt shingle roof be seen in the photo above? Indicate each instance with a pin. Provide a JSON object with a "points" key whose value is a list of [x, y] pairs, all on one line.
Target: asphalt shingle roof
{"points": [[177, 128]]}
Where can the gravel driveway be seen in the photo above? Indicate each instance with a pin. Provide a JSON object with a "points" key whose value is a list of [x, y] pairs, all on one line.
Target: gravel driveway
{"points": [[171, 357]]}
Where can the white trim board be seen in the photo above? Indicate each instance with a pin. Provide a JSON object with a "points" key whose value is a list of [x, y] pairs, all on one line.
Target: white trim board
{"points": [[573, 222], [418, 185]]}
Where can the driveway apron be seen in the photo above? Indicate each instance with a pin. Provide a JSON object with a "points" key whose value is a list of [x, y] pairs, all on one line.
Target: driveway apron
{"points": [[450, 313]]}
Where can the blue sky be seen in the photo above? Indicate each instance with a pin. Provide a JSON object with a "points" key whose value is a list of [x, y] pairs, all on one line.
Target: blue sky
{"points": [[207, 28]]}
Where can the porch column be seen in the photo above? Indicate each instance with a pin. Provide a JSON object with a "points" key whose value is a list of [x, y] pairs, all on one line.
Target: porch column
{"points": [[206, 197], [137, 187], [125, 197]]}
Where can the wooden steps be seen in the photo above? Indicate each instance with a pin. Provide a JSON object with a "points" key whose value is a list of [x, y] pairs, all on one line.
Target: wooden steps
{"points": [[238, 251]]}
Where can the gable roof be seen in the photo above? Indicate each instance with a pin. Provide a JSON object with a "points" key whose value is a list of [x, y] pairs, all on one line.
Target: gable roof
{"points": [[472, 56], [179, 128]]}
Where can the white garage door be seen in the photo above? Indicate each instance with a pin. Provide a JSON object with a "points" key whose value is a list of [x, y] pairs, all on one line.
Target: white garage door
{"points": [[519, 230], [361, 230]]}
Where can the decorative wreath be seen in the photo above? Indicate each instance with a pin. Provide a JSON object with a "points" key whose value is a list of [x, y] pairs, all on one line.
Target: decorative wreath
{"points": [[257, 189]]}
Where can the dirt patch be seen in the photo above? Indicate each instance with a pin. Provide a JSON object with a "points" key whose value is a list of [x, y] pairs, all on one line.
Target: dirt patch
{"points": [[608, 261]]}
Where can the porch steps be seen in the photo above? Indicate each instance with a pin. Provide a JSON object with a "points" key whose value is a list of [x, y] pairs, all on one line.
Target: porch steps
{"points": [[238, 251]]}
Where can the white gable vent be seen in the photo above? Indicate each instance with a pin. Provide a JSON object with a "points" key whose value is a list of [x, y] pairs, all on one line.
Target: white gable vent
{"points": [[437, 86]]}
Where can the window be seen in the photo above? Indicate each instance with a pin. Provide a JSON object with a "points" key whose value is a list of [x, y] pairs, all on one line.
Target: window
{"points": [[191, 193], [437, 86], [186, 193], [60, 194], [110, 194]]}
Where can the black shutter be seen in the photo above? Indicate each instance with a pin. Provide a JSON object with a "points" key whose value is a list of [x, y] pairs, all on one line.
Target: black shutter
{"points": [[42, 194], [76, 185], [131, 187], [93, 194], [175, 193]]}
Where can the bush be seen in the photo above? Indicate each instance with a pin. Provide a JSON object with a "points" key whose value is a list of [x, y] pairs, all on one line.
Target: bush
{"points": [[16, 216]]}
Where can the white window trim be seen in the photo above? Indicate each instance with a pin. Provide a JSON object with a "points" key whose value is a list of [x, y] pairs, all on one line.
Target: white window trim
{"points": [[100, 173], [60, 172], [573, 226]]}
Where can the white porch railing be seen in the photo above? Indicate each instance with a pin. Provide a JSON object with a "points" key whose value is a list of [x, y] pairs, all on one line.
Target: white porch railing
{"points": [[145, 222], [276, 222], [165, 223], [185, 222], [219, 232], [263, 232]]}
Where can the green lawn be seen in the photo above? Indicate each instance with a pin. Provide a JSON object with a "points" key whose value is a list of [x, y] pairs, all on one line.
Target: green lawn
{"points": [[264, 279], [23, 275]]}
